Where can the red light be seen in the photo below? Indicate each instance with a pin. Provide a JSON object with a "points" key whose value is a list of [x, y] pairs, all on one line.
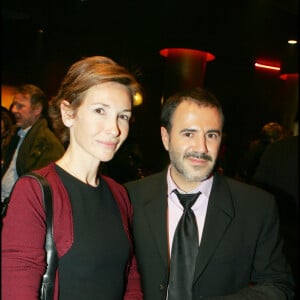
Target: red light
{"points": [[264, 66], [289, 76], [179, 51]]}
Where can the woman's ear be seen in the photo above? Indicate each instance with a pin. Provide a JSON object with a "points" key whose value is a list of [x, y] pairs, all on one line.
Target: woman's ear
{"points": [[165, 137], [66, 113]]}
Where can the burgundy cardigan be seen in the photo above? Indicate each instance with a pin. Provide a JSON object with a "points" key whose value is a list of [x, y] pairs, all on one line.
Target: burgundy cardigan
{"points": [[23, 236]]}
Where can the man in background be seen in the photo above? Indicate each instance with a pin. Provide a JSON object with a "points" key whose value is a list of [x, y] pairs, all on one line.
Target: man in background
{"points": [[33, 144], [278, 173]]}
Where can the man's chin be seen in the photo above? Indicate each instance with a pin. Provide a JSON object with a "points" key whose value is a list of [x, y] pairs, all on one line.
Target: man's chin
{"points": [[200, 176]]}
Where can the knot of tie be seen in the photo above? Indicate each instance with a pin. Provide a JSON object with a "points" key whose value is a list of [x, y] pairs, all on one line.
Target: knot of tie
{"points": [[21, 133], [187, 200]]}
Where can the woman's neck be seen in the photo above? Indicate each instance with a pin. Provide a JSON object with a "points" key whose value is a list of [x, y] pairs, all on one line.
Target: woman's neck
{"points": [[85, 172]]}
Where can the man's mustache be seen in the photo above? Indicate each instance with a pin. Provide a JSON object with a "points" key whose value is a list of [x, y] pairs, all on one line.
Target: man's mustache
{"points": [[198, 156]]}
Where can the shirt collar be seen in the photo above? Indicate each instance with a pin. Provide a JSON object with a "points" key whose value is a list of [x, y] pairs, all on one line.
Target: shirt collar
{"points": [[22, 132]]}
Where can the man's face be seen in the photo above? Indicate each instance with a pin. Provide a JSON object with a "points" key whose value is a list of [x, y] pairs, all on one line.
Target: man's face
{"points": [[193, 143], [25, 114]]}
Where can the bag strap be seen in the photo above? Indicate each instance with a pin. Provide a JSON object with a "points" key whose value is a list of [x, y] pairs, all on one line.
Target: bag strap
{"points": [[52, 256], [4, 205]]}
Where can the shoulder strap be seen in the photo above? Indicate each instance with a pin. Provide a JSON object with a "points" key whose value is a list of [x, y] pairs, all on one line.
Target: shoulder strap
{"points": [[4, 205], [47, 286]]}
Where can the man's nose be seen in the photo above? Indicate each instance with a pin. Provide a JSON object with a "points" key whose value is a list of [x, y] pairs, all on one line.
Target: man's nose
{"points": [[201, 145]]}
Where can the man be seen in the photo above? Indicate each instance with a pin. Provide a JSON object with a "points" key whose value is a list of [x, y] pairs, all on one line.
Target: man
{"points": [[239, 251], [278, 173], [33, 145], [269, 133]]}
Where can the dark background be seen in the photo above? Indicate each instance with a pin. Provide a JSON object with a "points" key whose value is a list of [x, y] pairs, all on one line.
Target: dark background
{"points": [[40, 39]]}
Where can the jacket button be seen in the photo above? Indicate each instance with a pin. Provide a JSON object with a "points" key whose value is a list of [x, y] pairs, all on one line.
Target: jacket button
{"points": [[161, 287]]}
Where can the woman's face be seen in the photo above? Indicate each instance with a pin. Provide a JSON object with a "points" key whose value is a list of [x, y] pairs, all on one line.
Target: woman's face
{"points": [[101, 123]]}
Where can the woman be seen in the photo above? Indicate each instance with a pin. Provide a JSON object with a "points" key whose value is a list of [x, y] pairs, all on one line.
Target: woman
{"points": [[92, 213], [7, 129]]}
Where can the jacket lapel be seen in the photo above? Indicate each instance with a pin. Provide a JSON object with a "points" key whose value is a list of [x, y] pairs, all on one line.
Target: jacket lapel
{"points": [[220, 213], [155, 210]]}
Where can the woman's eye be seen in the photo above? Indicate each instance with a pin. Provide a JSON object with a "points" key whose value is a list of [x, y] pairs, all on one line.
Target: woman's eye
{"points": [[99, 110], [125, 117]]}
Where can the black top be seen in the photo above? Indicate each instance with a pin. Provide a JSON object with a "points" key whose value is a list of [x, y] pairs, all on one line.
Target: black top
{"points": [[94, 267]]}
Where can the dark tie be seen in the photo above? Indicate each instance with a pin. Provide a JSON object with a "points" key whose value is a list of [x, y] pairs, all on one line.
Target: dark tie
{"points": [[184, 251]]}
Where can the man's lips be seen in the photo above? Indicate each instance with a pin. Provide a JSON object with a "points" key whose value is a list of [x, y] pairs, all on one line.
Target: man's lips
{"points": [[198, 161]]}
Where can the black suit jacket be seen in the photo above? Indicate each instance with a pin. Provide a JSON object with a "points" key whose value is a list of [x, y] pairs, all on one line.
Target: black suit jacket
{"points": [[240, 254]]}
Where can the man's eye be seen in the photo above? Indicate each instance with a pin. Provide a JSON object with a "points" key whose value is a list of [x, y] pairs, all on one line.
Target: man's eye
{"points": [[18, 106], [188, 134], [212, 136]]}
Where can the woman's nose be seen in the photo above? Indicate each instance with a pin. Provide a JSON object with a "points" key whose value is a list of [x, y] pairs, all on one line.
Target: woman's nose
{"points": [[113, 128]]}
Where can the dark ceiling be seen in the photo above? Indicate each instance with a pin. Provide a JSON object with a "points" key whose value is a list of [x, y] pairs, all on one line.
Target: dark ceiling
{"points": [[40, 39], [134, 31]]}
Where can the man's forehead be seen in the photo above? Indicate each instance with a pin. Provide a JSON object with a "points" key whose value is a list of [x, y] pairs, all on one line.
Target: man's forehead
{"points": [[22, 97]]}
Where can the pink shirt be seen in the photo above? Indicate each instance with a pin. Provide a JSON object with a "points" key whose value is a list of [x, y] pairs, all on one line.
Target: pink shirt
{"points": [[175, 209]]}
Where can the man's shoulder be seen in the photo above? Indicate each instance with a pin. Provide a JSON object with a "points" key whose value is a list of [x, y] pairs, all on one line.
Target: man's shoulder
{"points": [[154, 184], [40, 131], [244, 187], [150, 180], [242, 192]]}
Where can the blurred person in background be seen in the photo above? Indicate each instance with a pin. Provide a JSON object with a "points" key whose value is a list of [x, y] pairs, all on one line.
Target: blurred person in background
{"points": [[270, 133], [278, 173], [33, 144], [7, 130]]}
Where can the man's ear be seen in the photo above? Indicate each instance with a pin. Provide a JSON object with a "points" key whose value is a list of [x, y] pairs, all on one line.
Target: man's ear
{"points": [[38, 109], [66, 113], [164, 137]]}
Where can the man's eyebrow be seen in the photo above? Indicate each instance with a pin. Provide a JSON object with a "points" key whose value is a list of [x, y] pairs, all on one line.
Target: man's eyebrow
{"points": [[214, 131], [189, 130], [195, 130]]}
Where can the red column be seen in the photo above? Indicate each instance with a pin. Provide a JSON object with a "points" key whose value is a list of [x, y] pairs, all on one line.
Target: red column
{"points": [[290, 77], [291, 98], [184, 68]]}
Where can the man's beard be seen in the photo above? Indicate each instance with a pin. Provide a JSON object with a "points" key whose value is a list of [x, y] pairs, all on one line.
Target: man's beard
{"points": [[189, 175]]}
